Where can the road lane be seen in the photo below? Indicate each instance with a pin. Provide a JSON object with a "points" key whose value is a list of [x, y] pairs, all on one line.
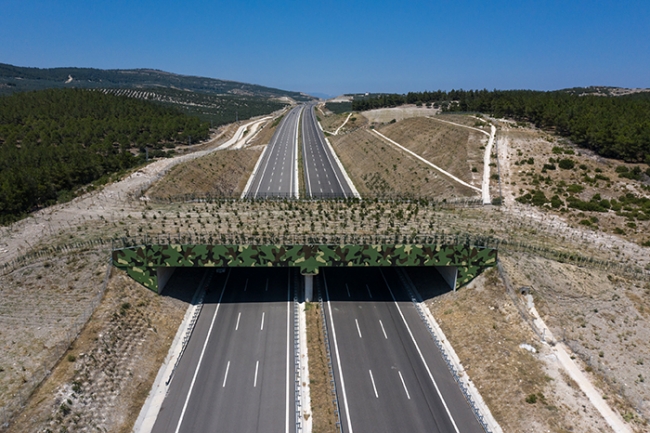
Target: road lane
{"points": [[386, 362], [276, 175], [244, 383], [323, 176]]}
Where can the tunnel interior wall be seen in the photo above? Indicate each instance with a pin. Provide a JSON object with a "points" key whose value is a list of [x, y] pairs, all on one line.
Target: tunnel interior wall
{"points": [[142, 262]]}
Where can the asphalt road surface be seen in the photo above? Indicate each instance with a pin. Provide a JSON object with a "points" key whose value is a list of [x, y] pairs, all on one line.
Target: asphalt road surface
{"points": [[389, 374], [277, 173], [323, 176], [237, 373]]}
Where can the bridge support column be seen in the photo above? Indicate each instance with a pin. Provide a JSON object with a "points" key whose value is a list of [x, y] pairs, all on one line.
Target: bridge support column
{"points": [[164, 274], [309, 287]]}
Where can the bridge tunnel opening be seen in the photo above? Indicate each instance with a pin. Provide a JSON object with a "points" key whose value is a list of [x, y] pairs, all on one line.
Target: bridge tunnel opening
{"points": [[279, 284]]}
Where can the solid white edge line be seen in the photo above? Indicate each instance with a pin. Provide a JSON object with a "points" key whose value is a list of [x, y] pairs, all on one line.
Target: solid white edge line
{"points": [[286, 423], [383, 330], [372, 379], [338, 358], [257, 366], [225, 376], [417, 346], [253, 174], [404, 384], [358, 329], [198, 365]]}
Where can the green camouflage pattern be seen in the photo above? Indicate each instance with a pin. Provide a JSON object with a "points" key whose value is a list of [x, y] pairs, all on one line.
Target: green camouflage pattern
{"points": [[142, 261]]}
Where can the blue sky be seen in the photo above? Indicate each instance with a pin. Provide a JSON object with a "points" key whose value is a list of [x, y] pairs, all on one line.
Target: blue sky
{"points": [[334, 46]]}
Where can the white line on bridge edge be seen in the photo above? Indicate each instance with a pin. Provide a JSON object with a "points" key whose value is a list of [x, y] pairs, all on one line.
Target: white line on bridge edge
{"points": [[205, 345], [404, 385], [373, 383]]}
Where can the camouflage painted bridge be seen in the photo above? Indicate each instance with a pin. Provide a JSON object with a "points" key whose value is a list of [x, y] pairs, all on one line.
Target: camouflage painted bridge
{"points": [[458, 260]]}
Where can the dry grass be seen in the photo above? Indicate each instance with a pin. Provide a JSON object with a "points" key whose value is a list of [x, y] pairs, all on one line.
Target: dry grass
{"points": [[485, 328], [377, 168], [320, 389], [604, 319], [43, 306], [106, 375], [333, 121], [452, 148], [222, 173]]}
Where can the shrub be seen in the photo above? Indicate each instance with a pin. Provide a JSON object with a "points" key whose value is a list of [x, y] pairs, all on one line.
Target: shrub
{"points": [[531, 399], [566, 164], [575, 188]]}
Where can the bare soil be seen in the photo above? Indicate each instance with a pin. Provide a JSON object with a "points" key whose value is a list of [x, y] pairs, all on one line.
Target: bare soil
{"points": [[43, 307], [386, 115], [220, 174], [105, 376], [603, 318], [525, 391]]}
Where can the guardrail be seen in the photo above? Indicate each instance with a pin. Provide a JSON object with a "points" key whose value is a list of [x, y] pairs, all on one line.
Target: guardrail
{"points": [[330, 366], [416, 301], [296, 354], [190, 328]]}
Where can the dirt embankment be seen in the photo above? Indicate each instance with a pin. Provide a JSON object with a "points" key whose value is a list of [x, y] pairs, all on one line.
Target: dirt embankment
{"points": [[515, 372], [105, 376]]}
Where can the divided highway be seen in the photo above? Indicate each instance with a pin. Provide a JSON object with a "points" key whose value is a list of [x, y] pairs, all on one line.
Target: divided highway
{"points": [[277, 173], [389, 374], [323, 176], [237, 373]]}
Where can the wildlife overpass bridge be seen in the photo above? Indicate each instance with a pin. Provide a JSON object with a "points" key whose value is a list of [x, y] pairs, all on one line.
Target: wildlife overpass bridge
{"points": [[458, 259]]}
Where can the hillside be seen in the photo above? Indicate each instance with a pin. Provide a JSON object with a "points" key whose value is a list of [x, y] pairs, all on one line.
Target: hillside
{"points": [[16, 78]]}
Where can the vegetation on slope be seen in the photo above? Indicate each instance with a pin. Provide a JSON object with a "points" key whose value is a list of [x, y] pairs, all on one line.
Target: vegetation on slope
{"points": [[54, 141], [614, 127], [16, 78], [216, 109]]}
